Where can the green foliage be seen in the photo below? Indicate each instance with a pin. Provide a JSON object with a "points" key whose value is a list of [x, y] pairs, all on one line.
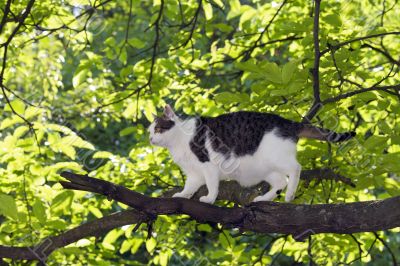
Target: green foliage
{"points": [[89, 74], [8, 206]]}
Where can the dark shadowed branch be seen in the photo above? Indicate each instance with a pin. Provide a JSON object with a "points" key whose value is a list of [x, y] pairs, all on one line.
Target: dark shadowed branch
{"points": [[386, 245], [383, 52], [389, 89], [300, 220], [341, 44], [315, 70], [95, 228], [263, 217], [247, 53]]}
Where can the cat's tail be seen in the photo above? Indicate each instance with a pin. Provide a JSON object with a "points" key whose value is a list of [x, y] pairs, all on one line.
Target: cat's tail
{"points": [[312, 132]]}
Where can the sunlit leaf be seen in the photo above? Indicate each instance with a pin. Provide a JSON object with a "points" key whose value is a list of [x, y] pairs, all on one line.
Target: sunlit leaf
{"points": [[8, 207]]}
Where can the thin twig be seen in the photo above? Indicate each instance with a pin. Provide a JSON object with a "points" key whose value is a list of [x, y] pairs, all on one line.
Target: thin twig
{"points": [[315, 70]]}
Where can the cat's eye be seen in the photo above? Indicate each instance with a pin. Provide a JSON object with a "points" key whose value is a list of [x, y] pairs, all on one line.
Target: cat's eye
{"points": [[157, 130]]}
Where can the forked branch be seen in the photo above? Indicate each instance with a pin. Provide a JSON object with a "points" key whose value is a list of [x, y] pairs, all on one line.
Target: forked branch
{"points": [[300, 220]]}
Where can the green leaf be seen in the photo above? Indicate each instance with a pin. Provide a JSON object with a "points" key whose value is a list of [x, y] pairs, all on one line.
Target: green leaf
{"points": [[149, 110], [287, 71], [110, 41], [137, 43], [60, 128], [80, 77], [73, 166], [208, 10], [205, 228], [126, 245], [219, 3], [95, 211], [17, 105], [227, 98], [223, 241], [77, 141], [151, 244], [110, 239], [136, 245], [62, 202], [57, 224], [103, 154], [19, 131], [333, 20], [127, 131], [39, 211], [84, 242], [8, 122], [374, 142], [249, 66], [8, 207], [272, 72], [123, 56], [68, 150], [234, 10], [164, 258], [248, 15]]}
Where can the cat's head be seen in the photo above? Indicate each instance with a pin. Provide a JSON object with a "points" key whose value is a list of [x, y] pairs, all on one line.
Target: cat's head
{"points": [[163, 129]]}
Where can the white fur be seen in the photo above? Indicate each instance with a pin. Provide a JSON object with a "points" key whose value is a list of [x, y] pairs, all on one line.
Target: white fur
{"points": [[274, 162]]}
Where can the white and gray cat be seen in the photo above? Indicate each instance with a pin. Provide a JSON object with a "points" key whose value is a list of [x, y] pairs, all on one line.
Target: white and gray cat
{"points": [[248, 147]]}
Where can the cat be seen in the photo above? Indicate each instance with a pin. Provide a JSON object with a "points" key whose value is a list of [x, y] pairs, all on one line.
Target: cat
{"points": [[248, 147]]}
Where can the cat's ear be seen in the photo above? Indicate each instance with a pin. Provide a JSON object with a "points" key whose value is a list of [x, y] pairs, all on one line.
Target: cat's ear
{"points": [[168, 112], [154, 116]]}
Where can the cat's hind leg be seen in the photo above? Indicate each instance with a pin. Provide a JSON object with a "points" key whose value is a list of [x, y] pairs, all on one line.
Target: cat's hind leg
{"points": [[294, 177], [193, 182], [278, 182]]}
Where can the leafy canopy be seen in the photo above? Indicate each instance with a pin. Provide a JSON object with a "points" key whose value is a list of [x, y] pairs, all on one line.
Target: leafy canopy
{"points": [[87, 76]]}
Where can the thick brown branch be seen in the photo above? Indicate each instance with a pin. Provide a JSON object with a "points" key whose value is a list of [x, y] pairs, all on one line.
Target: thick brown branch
{"points": [[262, 217]]}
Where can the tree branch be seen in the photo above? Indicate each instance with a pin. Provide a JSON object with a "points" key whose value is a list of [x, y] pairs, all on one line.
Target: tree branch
{"points": [[95, 228], [362, 90], [5, 14], [263, 217], [247, 53], [315, 70], [384, 53], [337, 46]]}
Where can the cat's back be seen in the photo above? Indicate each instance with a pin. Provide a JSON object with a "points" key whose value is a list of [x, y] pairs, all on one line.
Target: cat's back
{"points": [[247, 119], [243, 131]]}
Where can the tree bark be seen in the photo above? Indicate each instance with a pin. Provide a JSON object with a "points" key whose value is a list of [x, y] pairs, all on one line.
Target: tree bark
{"points": [[261, 217], [300, 220]]}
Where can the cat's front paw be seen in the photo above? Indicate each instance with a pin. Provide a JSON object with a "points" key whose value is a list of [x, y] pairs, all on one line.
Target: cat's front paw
{"points": [[270, 196], [289, 197], [207, 199], [259, 198], [181, 195]]}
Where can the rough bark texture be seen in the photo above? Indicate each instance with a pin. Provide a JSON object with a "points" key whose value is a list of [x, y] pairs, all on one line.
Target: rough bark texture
{"points": [[263, 217]]}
